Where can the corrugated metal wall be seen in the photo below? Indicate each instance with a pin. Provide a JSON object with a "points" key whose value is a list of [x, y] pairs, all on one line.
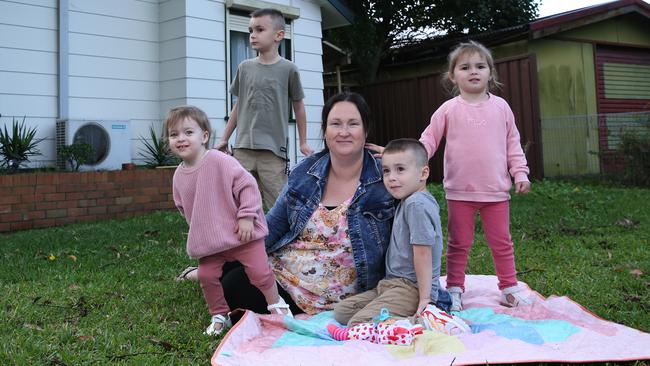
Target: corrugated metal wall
{"points": [[623, 85]]}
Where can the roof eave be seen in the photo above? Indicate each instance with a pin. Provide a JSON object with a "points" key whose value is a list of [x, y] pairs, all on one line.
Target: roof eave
{"points": [[580, 17], [334, 14]]}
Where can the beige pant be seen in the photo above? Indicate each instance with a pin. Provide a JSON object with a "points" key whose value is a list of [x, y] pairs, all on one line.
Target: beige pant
{"points": [[268, 169], [400, 296]]}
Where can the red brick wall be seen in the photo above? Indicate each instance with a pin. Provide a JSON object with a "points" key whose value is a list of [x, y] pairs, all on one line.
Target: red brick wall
{"points": [[30, 201]]}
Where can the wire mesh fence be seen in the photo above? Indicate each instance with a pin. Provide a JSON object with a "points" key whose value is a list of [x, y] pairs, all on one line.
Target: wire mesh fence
{"points": [[594, 144]]}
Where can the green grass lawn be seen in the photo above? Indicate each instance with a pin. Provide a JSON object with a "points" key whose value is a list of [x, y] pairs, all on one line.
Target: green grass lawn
{"points": [[104, 292]]}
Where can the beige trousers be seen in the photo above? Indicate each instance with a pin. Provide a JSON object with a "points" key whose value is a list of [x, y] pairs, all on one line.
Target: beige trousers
{"points": [[269, 170], [400, 296]]}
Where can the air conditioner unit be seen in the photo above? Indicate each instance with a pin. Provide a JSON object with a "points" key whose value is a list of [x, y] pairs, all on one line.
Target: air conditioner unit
{"points": [[111, 142]]}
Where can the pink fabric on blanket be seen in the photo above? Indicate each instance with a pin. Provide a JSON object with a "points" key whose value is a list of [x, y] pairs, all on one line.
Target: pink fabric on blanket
{"points": [[555, 329]]}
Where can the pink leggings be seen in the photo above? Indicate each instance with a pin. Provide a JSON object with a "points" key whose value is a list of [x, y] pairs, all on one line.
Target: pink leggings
{"points": [[496, 221], [256, 265]]}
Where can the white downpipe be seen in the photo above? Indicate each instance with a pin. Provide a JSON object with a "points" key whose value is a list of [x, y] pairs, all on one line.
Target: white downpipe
{"points": [[63, 61]]}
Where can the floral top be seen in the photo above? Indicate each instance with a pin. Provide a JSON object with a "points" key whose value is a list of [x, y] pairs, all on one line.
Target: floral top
{"points": [[317, 270]]}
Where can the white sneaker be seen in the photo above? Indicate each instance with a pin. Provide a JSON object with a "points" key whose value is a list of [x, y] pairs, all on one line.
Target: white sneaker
{"points": [[439, 321], [456, 304], [515, 296], [218, 324]]}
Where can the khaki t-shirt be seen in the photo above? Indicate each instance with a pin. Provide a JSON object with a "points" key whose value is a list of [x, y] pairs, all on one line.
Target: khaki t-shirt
{"points": [[263, 93]]}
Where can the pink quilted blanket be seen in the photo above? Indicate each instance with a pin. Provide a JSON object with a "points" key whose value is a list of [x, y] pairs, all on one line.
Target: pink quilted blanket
{"points": [[554, 329]]}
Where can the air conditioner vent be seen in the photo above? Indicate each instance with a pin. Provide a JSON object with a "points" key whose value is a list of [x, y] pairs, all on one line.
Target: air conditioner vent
{"points": [[111, 142]]}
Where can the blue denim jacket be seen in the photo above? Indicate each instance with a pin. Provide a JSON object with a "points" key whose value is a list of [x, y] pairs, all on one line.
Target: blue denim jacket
{"points": [[370, 213]]}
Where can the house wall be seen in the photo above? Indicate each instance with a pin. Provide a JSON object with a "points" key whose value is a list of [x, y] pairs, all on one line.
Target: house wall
{"points": [[308, 46], [567, 97], [567, 90], [28, 68], [133, 60], [113, 63], [631, 29]]}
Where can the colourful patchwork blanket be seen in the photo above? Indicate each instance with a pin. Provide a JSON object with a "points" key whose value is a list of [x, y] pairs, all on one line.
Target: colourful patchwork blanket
{"points": [[554, 329]]}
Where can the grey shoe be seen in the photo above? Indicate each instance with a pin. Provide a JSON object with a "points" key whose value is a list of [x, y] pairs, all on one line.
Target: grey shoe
{"points": [[456, 304]]}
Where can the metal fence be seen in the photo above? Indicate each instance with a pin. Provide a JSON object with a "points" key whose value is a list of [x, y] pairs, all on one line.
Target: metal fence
{"points": [[589, 144]]}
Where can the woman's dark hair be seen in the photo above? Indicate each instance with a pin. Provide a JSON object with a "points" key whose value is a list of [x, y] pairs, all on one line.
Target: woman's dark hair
{"points": [[353, 98]]}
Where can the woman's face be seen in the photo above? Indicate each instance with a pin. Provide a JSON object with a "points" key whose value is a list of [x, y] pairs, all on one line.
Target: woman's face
{"points": [[344, 133]]}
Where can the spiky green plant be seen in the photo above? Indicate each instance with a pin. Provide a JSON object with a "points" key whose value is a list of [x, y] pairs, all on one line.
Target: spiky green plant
{"points": [[156, 150], [17, 147]]}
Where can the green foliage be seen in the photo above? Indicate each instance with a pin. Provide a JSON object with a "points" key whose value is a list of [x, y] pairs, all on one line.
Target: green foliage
{"points": [[381, 25], [156, 150], [77, 154], [103, 293], [16, 147], [635, 145]]}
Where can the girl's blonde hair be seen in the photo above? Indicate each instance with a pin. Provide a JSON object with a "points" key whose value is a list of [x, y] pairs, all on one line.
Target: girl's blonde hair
{"points": [[465, 48], [178, 114]]}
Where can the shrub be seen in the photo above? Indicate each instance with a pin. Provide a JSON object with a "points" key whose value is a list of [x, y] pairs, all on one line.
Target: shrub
{"points": [[77, 154], [156, 151], [17, 147], [635, 146]]}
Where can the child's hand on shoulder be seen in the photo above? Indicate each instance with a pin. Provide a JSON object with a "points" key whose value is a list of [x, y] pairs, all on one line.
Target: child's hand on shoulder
{"points": [[244, 229], [376, 148], [522, 187]]}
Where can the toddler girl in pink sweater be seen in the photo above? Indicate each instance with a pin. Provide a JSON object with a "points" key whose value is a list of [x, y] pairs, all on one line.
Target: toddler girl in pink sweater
{"points": [[482, 152], [223, 208]]}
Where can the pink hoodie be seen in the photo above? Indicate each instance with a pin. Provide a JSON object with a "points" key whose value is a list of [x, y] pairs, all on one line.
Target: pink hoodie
{"points": [[482, 149], [212, 196]]}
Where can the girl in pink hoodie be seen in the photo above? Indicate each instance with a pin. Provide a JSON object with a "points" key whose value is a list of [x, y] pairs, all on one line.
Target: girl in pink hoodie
{"points": [[223, 208], [482, 153]]}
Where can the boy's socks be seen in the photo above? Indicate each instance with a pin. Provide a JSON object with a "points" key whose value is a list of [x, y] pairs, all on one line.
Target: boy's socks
{"points": [[400, 332], [338, 333]]}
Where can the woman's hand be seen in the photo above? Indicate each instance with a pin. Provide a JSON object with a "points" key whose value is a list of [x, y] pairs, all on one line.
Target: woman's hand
{"points": [[376, 148], [244, 229]]}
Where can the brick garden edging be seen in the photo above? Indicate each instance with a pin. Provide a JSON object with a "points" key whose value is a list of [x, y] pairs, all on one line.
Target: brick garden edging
{"points": [[39, 200]]}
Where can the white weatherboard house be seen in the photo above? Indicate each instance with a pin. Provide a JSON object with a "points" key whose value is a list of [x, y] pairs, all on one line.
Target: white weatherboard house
{"points": [[99, 68]]}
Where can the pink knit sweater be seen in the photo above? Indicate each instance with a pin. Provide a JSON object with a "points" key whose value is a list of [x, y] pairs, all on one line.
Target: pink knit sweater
{"points": [[212, 196], [482, 149]]}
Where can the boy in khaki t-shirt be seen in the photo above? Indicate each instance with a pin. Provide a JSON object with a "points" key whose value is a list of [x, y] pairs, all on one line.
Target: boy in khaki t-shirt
{"points": [[264, 86]]}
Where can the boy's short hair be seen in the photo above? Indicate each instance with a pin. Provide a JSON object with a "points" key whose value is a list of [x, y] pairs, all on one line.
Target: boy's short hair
{"points": [[178, 114], [277, 19], [413, 146]]}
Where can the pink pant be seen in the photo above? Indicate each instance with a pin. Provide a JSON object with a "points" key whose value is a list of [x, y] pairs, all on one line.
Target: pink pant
{"points": [[496, 221], [256, 265]]}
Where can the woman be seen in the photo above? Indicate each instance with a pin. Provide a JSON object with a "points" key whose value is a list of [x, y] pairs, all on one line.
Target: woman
{"points": [[330, 227]]}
